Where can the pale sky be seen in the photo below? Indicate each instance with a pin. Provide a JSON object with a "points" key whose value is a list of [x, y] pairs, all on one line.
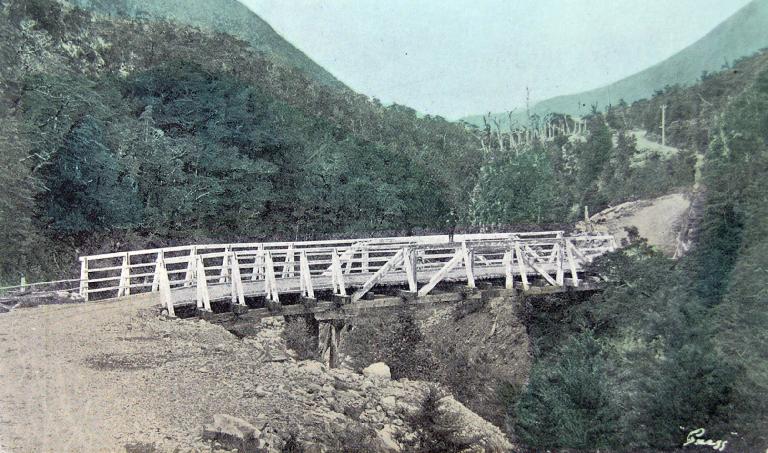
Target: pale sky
{"points": [[457, 57]]}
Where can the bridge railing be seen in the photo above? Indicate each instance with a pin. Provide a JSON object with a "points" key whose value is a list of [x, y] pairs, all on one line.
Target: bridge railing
{"points": [[123, 273], [418, 264]]}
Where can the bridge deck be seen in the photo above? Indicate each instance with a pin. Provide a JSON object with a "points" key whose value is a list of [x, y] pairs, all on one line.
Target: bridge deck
{"points": [[201, 274]]}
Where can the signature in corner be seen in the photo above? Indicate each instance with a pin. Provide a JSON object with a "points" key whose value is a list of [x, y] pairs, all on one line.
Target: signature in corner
{"points": [[695, 438]]}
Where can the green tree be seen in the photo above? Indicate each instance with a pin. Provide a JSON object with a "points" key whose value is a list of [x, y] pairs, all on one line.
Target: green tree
{"points": [[568, 401], [88, 189]]}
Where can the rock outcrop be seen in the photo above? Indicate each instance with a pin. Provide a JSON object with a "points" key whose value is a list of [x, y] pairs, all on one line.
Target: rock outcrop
{"points": [[378, 370], [324, 409], [463, 427]]}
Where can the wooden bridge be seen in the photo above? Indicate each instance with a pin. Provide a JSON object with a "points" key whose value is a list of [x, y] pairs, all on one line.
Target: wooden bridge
{"points": [[198, 275]]}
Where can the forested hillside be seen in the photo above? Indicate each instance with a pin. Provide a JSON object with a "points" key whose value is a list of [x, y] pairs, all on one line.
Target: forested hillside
{"points": [[148, 132], [670, 345], [225, 16]]}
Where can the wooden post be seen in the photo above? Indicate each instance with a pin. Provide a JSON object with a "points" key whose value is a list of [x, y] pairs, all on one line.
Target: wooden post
{"points": [[337, 275], [124, 288], [84, 277], [521, 266], [238, 294], [224, 274], [164, 286], [469, 262], [156, 276], [409, 263], [23, 284], [664, 125], [203, 296], [365, 260], [191, 266], [571, 263], [307, 289], [509, 277], [271, 280], [257, 272], [289, 260]]}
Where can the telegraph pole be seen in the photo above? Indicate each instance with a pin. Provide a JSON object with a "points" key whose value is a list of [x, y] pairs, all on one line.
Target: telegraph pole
{"points": [[664, 124]]}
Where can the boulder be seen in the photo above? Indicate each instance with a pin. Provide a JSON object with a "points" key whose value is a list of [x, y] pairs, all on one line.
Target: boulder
{"points": [[386, 439], [461, 426], [312, 366], [378, 370], [232, 432]]}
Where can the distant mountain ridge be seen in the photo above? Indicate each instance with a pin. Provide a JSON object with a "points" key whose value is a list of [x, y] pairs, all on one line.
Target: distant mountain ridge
{"points": [[227, 16], [742, 34]]}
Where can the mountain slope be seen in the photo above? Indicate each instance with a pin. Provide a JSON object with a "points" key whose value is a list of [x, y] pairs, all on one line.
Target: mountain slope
{"points": [[226, 16], [740, 35]]}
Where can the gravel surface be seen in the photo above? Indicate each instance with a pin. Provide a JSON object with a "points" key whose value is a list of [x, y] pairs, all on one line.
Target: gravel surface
{"points": [[118, 376]]}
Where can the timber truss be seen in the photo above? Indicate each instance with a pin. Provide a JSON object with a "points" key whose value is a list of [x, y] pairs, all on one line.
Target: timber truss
{"points": [[199, 275]]}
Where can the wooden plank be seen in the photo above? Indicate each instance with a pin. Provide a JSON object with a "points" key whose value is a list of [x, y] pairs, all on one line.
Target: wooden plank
{"points": [[191, 265], [257, 273], [560, 274], [393, 262], [164, 286], [457, 257], [156, 276], [539, 269]]}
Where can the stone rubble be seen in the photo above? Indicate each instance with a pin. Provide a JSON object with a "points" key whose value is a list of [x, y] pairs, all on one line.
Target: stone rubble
{"points": [[339, 403]]}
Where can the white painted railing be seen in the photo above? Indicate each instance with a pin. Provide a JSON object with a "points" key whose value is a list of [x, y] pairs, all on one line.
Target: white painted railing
{"points": [[419, 263], [123, 273]]}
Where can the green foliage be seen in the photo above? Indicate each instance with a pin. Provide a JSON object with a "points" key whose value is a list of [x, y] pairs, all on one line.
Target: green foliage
{"points": [[593, 157], [429, 436], [301, 337], [635, 344], [17, 235], [516, 189], [88, 189], [399, 344], [215, 142], [568, 400]]}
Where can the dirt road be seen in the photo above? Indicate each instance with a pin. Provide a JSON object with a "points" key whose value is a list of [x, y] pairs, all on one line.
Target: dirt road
{"points": [[99, 376]]}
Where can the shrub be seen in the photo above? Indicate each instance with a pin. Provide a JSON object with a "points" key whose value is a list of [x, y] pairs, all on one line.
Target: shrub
{"points": [[300, 336], [567, 402], [355, 438], [426, 424], [396, 341]]}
